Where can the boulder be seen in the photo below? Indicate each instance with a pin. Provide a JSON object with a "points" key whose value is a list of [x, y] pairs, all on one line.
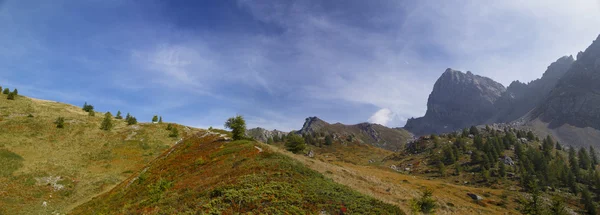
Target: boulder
{"points": [[475, 196]]}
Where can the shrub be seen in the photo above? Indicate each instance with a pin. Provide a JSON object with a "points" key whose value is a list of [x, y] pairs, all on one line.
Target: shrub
{"points": [[169, 126], [155, 118], [174, 132], [131, 121], [426, 204], [295, 143], [6, 91], [60, 122], [11, 96], [237, 125], [92, 113], [328, 140]]}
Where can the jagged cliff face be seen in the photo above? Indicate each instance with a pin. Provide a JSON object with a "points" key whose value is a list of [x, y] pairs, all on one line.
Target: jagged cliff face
{"points": [[263, 135], [575, 100], [520, 98], [458, 100]]}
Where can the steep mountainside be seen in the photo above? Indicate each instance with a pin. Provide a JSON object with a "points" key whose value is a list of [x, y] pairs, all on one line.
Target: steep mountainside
{"points": [[458, 100], [575, 100], [521, 98], [363, 133], [45, 169], [206, 174]]}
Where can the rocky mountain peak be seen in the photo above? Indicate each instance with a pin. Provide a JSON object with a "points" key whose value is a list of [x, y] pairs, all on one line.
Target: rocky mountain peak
{"points": [[458, 100], [312, 125]]}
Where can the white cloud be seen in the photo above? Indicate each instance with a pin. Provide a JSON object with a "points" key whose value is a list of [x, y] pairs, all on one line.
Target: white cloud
{"points": [[382, 116]]}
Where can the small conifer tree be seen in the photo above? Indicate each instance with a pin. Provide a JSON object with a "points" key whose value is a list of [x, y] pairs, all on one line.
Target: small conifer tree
{"points": [[87, 107], [127, 117], [160, 119], [270, 140], [6, 91], [155, 118], [107, 122], [60, 122], [16, 92], [11, 96], [118, 116]]}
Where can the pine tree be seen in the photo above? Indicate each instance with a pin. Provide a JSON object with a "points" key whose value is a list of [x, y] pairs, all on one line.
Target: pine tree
{"points": [[473, 130], [107, 122], [275, 138], [584, 159], [328, 140], [502, 169], [0, 88], [558, 146], [6, 91], [16, 92], [535, 205], [558, 206], [442, 169], [60, 122], [270, 140], [295, 143], [87, 107], [530, 136], [594, 157], [118, 115], [174, 132], [588, 202], [160, 120], [573, 164], [127, 117], [155, 118], [11, 96], [237, 125]]}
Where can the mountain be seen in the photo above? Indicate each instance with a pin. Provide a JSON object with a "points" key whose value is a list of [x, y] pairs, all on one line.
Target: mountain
{"points": [[458, 100], [573, 103], [362, 133], [205, 174], [65, 167], [263, 135], [520, 98]]}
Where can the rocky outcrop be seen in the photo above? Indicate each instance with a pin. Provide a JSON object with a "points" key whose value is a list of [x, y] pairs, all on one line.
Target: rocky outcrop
{"points": [[362, 133], [458, 100], [576, 97], [263, 135]]}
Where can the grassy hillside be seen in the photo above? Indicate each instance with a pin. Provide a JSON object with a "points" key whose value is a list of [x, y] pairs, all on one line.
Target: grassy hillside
{"points": [[66, 167], [204, 174]]}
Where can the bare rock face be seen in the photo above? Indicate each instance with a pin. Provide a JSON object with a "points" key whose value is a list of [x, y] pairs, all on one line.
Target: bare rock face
{"points": [[458, 100], [263, 135], [312, 125], [576, 98], [520, 98]]}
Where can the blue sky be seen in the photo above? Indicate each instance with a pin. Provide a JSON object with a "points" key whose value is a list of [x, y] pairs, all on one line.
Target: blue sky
{"points": [[277, 62]]}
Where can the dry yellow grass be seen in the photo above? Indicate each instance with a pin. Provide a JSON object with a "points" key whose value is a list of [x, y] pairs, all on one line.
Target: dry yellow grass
{"points": [[66, 167], [375, 181]]}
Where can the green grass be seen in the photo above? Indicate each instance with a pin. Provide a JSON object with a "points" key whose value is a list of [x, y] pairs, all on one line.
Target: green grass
{"points": [[88, 160], [235, 180]]}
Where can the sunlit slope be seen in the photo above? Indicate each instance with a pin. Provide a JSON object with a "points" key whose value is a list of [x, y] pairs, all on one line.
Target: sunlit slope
{"points": [[207, 175], [66, 167]]}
